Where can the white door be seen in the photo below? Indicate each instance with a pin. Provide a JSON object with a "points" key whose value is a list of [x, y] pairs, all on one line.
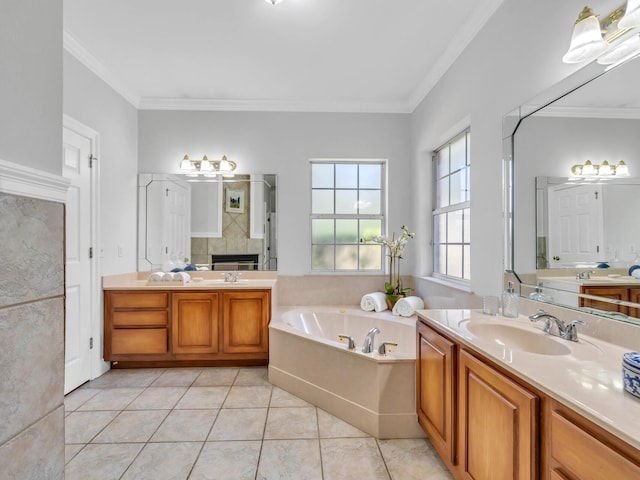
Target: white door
{"points": [[76, 167], [576, 231]]}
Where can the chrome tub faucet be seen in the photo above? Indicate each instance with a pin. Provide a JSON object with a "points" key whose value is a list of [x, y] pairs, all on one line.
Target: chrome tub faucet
{"points": [[367, 347]]}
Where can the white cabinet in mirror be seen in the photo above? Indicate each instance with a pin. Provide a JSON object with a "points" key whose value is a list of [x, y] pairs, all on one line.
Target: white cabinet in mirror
{"points": [[183, 220]]}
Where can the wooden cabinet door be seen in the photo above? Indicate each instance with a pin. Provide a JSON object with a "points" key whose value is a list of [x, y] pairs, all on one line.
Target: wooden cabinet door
{"points": [[194, 323], [634, 296], [498, 424], [246, 317], [615, 293], [435, 385]]}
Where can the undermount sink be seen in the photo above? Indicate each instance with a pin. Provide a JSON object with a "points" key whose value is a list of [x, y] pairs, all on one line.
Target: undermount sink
{"points": [[514, 338]]}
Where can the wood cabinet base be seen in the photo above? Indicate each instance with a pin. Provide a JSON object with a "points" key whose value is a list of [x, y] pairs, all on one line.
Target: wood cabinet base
{"points": [[234, 362]]}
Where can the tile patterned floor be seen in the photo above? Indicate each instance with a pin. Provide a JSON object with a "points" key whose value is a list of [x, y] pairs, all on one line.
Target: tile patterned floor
{"points": [[222, 423]]}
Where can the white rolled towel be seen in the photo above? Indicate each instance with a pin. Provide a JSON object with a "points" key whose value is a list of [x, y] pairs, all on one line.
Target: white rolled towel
{"points": [[374, 301], [155, 277], [182, 277], [407, 306], [167, 277]]}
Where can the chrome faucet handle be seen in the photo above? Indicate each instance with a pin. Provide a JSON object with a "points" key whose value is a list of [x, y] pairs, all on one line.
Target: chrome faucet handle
{"points": [[227, 276], [570, 332], [382, 349], [351, 343]]}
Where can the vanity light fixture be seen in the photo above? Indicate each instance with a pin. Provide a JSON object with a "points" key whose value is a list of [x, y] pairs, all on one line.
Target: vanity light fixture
{"points": [[209, 168], [605, 169], [606, 40]]}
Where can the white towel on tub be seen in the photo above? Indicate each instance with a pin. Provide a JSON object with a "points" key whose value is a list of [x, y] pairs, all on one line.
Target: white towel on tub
{"points": [[374, 301], [407, 306]]}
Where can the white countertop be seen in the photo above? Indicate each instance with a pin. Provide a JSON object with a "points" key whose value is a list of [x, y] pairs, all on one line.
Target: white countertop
{"points": [[595, 280], [199, 281], [588, 379]]}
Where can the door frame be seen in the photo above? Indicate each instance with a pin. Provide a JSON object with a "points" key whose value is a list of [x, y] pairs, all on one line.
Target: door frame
{"points": [[98, 366]]}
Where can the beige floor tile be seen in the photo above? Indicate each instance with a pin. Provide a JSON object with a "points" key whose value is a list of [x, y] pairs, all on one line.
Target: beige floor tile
{"points": [[158, 398], [142, 377], [164, 461], [185, 426], [248, 397], [70, 451], [253, 376], [76, 398], [106, 461], [239, 424], [81, 427], [332, 427], [282, 398], [352, 458], [111, 399], [227, 460], [203, 397], [211, 377], [132, 426], [297, 422], [412, 459], [177, 377], [294, 459]]}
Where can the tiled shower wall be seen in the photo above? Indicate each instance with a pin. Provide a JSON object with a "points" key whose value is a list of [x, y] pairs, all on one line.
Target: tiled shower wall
{"points": [[31, 338]]}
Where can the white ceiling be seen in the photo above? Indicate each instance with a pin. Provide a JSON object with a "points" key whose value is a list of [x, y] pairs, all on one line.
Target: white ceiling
{"points": [[300, 55]]}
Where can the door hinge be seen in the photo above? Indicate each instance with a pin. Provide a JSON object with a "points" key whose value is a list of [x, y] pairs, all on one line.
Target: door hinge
{"points": [[92, 158], [90, 252], [90, 343]]}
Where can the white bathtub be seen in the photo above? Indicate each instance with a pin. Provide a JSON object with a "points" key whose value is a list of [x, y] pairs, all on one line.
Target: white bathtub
{"points": [[372, 392]]}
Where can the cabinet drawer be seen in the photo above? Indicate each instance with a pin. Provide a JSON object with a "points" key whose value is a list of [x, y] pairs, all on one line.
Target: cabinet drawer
{"points": [[139, 318], [140, 300], [138, 340], [582, 455]]}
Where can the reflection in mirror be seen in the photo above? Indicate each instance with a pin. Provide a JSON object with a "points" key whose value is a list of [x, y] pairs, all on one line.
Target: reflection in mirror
{"points": [[212, 223], [598, 121]]}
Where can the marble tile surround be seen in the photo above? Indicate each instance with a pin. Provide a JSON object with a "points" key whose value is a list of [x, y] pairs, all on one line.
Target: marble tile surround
{"points": [[31, 338]]}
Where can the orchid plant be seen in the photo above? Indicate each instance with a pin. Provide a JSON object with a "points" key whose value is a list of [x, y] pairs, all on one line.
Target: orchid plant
{"points": [[395, 249]]}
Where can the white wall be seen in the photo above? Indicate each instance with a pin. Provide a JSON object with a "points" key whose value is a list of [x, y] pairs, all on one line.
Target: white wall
{"points": [[282, 143], [516, 55], [92, 102]]}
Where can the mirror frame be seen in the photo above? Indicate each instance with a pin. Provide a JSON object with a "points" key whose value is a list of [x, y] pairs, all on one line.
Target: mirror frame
{"points": [[511, 123]]}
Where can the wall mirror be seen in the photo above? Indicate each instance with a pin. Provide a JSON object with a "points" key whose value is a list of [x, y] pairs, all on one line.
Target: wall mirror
{"points": [[215, 223], [593, 115]]}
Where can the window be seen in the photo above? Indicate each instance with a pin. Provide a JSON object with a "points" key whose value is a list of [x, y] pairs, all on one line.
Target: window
{"points": [[347, 204], [452, 209]]}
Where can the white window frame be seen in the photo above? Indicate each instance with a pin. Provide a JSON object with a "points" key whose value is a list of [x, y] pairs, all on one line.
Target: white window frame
{"points": [[382, 216], [461, 206]]}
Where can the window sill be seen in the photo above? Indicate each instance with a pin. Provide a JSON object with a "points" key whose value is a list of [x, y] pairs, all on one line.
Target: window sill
{"points": [[461, 286]]}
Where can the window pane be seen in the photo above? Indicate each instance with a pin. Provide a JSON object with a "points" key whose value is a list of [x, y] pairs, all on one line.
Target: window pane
{"points": [[370, 257], [370, 228], [442, 193], [454, 260], [346, 257], [322, 175], [346, 201], [458, 187], [458, 153], [454, 227], [467, 225], [369, 202], [442, 162], [440, 256], [321, 231], [467, 262], [347, 231], [322, 257], [370, 176], [440, 228], [467, 183], [346, 175], [468, 148], [322, 201]]}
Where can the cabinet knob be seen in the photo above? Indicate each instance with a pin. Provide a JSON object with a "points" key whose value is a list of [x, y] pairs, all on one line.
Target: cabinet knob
{"points": [[556, 258]]}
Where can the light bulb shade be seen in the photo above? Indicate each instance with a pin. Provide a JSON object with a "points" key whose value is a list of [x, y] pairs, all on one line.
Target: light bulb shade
{"points": [[588, 168], [605, 169], [185, 164], [631, 16], [622, 170], [622, 51], [205, 165], [586, 42]]}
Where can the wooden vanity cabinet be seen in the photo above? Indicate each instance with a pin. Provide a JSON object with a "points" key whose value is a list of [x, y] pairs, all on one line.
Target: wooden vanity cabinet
{"points": [[187, 327], [612, 292], [436, 390]]}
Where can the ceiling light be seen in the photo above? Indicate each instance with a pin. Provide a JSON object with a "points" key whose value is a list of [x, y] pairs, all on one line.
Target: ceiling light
{"points": [[209, 168], [631, 17], [273, 2], [586, 42]]}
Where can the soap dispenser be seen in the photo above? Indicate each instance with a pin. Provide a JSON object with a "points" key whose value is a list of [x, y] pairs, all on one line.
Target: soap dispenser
{"points": [[510, 302]]}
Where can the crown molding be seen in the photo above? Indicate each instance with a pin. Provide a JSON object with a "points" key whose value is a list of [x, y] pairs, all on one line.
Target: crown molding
{"points": [[259, 105], [590, 112], [462, 39], [80, 52], [16, 179]]}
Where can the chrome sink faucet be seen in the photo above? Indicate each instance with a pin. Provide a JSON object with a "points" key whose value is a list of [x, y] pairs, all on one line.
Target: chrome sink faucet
{"points": [[586, 275], [231, 278], [568, 332], [367, 347]]}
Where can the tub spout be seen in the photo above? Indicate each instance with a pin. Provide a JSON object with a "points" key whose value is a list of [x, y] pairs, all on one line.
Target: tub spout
{"points": [[367, 347], [351, 343], [382, 349]]}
